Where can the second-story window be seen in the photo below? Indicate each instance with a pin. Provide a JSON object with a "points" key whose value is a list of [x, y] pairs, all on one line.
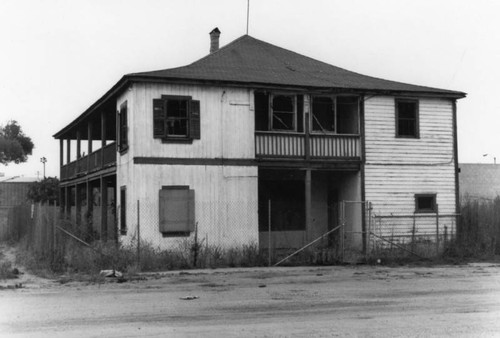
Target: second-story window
{"points": [[323, 114], [123, 124], [335, 114], [176, 118], [283, 112], [407, 118]]}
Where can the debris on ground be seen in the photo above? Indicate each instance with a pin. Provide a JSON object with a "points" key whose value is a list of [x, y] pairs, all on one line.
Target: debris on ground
{"points": [[111, 273], [12, 287], [189, 297]]}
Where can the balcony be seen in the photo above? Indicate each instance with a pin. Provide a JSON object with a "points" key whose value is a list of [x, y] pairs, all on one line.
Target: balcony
{"points": [[97, 160], [313, 146]]}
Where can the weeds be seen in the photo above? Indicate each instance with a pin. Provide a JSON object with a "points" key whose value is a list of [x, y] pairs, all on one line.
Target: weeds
{"points": [[6, 271]]}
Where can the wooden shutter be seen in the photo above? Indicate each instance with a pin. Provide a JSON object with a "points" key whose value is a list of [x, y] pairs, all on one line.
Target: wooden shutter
{"points": [[159, 130], [118, 136], [176, 210], [194, 120], [124, 126]]}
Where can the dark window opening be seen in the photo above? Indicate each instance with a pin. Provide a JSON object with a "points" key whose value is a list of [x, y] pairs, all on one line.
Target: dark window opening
{"points": [[283, 112], [176, 118], [123, 210], [323, 114], [425, 203], [287, 205], [123, 138], [177, 213], [407, 118], [261, 111], [347, 115]]}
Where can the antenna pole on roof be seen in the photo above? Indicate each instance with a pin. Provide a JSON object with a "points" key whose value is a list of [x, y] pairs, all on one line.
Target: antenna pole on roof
{"points": [[248, 13]]}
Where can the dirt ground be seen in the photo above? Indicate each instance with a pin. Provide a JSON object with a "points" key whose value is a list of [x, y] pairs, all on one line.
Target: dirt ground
{"points": [[351, 301]]}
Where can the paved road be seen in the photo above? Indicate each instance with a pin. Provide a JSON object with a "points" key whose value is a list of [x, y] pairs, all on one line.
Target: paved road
{"points": [[279, 302]]}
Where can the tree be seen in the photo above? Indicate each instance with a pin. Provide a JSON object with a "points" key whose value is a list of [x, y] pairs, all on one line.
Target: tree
{"points": [[45, 191], [14, 145]]}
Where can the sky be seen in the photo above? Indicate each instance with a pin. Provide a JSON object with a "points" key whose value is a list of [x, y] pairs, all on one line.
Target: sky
{"points": [[58, 57]]}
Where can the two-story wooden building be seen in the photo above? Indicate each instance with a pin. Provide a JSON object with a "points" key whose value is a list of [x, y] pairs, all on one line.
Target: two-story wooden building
{"points": [[251, 134]]}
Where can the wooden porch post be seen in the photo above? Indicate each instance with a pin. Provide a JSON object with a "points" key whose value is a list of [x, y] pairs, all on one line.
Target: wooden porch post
{"points": [[61, 153], [68, 150], [67, 202], [78, 144], [104, 208], [89, 143], [78, 207], [308, 204], [103, 137], [88, 214]]}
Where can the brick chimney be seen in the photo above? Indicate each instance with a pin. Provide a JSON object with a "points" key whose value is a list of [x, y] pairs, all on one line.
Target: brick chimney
{"points": [[214, 40]]}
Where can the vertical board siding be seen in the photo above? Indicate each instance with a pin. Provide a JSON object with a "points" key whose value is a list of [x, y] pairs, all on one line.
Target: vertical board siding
{"points": [[225, 209], [226, 128], [398, 168]]}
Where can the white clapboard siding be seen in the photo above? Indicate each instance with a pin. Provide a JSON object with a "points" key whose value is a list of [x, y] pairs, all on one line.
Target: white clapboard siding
{"points": [[227, 122], [398, 168]]}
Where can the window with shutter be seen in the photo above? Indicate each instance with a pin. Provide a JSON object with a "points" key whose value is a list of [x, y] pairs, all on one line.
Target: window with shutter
{"points": [[177, 216], [176, 119], [123, 144]]}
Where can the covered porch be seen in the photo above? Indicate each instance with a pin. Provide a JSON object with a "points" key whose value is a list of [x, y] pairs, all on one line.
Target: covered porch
{"points": [[88, 151], [297, 206]]}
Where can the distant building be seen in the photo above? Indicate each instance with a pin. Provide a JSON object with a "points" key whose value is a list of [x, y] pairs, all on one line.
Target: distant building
{"points": [[479, 181], [13, 190]]}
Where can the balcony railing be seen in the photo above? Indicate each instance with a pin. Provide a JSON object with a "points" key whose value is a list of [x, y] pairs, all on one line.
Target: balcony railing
{"points": [[324, 146], [93, 162]]}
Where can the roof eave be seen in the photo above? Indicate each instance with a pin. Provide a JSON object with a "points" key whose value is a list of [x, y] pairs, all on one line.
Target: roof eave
{"points": [[368, 91], [123, 82]]}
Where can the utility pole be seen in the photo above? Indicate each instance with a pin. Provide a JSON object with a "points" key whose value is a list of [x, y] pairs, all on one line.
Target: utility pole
{"points": [[43, 160]]}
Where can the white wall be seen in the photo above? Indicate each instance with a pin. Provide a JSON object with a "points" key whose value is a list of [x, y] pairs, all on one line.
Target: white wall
{"points": [[225, 196], [398, 168]]}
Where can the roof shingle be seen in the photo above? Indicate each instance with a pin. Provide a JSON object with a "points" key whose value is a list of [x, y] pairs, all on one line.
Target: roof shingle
{"points": [[248, 60]]}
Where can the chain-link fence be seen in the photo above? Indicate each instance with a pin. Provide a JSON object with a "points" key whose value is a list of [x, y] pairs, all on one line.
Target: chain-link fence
{"points": [[424, 235]]}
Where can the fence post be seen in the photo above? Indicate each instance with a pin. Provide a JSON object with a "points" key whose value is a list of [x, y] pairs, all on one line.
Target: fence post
{"points": [[437, 230], [342, 233], [54, 220], [413, 232], [138, 237], [269, 231], [368, 236]]}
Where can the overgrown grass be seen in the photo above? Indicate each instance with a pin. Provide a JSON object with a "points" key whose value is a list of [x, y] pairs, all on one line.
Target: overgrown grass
{"points": [[478, 231], [6, 271]]}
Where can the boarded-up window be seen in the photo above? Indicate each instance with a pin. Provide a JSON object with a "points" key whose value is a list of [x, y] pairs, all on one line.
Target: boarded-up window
{"points": [[407, 118], [177, 216]]}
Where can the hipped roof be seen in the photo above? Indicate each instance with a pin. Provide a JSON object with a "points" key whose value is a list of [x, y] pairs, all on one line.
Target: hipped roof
{"points": [[251, 62]]}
